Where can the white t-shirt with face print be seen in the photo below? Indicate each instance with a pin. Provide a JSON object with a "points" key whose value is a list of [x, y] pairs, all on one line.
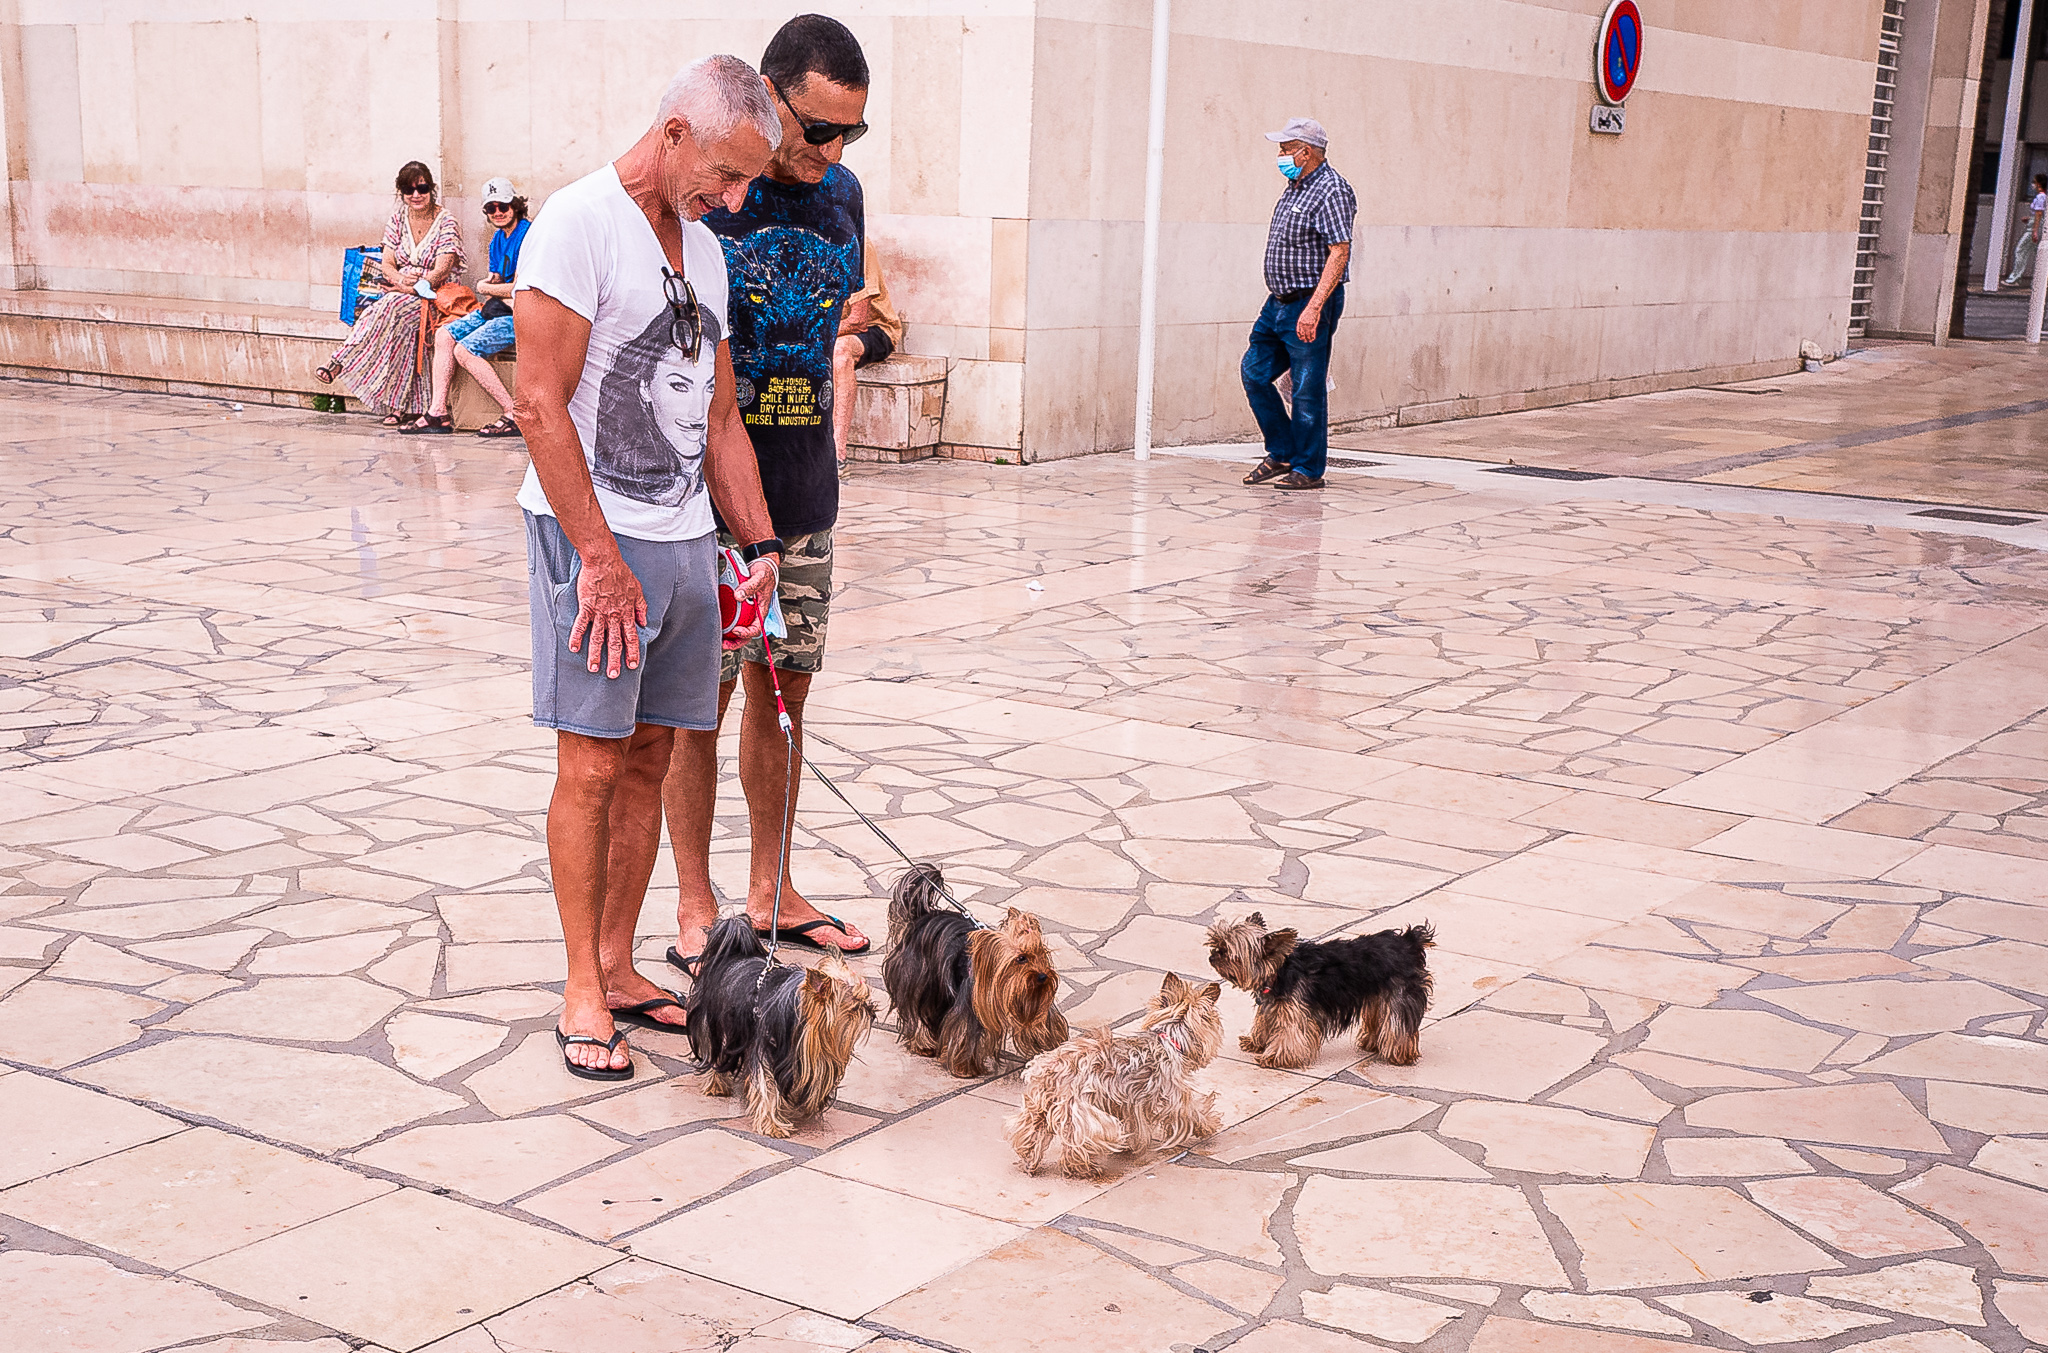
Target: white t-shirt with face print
{"points": [[642, 407]]}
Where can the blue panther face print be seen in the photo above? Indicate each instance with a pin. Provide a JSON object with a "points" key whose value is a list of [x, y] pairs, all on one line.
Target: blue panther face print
{"points": [[787, 284]]}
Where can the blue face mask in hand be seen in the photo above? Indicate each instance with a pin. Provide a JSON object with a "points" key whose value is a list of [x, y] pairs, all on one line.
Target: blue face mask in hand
{"points": [[1288, 167]]}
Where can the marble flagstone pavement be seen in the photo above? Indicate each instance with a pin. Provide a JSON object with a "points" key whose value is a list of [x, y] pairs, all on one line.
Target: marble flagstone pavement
{"points": [[1732, 820]]}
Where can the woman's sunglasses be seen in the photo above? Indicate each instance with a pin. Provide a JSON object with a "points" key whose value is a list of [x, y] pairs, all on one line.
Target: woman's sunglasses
{"points": [[822, 133], [419, 190], [685, 322]]}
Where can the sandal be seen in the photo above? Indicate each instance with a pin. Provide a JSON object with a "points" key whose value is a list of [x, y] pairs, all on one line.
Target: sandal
{"points": [[326, 374], [800, 935], [1265, 470], [392, 420], [594, 1073], [642, 1015], [504, 427], [429, 422], [686, 963]]}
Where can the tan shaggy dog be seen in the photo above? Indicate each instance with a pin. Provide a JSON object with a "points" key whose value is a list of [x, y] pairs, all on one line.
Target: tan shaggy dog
{"points": [[1099, 1094]]}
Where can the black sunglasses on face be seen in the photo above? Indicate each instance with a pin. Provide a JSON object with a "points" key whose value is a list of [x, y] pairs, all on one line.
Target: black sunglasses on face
{"points": [[685, 322], [493, 208], [823, 133], [418, 189]]}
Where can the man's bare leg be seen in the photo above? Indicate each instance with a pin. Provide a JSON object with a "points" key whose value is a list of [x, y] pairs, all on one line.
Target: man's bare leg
{"points": [[588, 772], [689, 796], [634, 839], [766, 765], [846, 352], [485, 375]]}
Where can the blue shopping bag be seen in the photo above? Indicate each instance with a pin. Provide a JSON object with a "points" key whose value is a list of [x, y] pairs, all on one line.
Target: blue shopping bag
{"points": [[362, 280]]}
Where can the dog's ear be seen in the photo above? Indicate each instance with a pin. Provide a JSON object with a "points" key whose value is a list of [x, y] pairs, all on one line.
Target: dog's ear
{"points": [[1256, 918], [1172, 990], [1021, 923], [1280, 944], [1210, 994], [832, 963]]}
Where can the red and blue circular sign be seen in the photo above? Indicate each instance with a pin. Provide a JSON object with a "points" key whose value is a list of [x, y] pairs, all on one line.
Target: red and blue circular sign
{"points": [[1619, 52]]}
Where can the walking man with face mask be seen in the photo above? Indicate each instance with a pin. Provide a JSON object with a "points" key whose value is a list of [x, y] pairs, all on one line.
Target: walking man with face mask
{"points": [[1308, 257]]}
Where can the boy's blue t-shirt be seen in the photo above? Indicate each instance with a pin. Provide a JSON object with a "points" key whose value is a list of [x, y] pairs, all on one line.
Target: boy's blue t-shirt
{"points": [[505, 251], [792, 258]]}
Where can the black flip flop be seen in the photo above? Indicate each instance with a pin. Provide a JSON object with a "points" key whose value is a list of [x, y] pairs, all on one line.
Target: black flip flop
{"points": [[800, 935], [594, 1073], [642, 1015], [687, 964]]}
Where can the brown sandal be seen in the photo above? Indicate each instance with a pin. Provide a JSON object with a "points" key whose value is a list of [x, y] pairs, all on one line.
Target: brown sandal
{"points": [[326, 374], [504, 427]]}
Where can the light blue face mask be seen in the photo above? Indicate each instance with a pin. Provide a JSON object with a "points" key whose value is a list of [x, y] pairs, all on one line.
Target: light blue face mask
{"points": [[1288, 167]]}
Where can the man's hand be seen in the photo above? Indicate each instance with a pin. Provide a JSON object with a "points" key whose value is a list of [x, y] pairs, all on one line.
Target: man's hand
{"points": [[1311, 320], [610, 609], [758, 586]]}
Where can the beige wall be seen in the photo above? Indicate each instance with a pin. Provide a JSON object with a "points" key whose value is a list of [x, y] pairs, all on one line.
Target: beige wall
{"points": [[228, 152], [1501, 245]]}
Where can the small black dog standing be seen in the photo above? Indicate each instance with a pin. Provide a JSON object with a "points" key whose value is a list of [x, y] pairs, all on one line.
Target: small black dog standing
{"points": [[784, 1033], [1308, 991]]}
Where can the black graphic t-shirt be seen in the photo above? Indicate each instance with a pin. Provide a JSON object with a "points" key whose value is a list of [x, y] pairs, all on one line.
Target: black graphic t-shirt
{"points": [[792, 258]]}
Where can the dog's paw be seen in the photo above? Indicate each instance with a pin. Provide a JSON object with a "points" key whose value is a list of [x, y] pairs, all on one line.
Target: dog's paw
{"points": [[1247, 1044]]}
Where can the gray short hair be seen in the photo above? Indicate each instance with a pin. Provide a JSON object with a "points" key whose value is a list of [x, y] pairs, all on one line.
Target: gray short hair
{"points": [[714, 95]]}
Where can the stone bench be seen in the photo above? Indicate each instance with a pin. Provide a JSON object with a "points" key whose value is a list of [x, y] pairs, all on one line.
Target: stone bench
{"points": [[260, 354], [899, 407], [266, 354]]}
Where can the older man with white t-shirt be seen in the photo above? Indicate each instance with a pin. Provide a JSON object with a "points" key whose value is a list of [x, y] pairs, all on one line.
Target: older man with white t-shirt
{"points": [[626, 402]]}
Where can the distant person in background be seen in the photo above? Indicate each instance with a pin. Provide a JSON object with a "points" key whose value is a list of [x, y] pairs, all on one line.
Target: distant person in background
{"points": [[482, 334], [868, 333], [1308, 259], [380, 361], [2028, 247]]}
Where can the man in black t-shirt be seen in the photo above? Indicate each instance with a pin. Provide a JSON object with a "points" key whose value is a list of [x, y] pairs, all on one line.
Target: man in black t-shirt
{"points": [[792, 258]]}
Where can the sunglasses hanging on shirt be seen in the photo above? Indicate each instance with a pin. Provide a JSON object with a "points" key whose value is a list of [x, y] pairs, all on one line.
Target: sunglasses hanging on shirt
{"points": [[685, 321]]}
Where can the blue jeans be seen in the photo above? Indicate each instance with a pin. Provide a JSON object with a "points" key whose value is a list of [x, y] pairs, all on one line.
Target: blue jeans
{"points": [[1302, 442]]}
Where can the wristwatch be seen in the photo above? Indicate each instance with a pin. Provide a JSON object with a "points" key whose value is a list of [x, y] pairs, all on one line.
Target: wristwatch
{"points": [[772, 545]]}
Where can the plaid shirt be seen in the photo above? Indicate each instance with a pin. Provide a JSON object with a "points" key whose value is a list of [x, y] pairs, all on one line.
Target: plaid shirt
{"points": [[1313, 213]]}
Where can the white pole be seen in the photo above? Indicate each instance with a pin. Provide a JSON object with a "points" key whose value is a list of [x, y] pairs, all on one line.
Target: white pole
{"points": [[1155, 176], [2008, 145], [2038, 296]]}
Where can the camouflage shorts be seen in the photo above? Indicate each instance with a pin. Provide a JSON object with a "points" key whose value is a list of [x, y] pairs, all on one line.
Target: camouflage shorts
{"points": [[806, 593]]}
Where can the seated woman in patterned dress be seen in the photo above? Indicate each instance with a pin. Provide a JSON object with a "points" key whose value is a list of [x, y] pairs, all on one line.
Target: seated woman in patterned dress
{"points": [[380, 363]]}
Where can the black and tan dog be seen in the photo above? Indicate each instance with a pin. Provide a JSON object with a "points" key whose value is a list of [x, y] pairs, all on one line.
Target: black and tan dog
{"points": [[1306, 992], [962, 991], [782, 1034]]}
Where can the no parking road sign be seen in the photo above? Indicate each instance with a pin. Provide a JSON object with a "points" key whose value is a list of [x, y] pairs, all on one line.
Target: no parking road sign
{"points": [[1618, 52]]}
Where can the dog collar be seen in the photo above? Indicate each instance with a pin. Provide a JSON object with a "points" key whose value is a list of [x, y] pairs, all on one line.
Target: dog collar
{"points": [[1172, 1039]]}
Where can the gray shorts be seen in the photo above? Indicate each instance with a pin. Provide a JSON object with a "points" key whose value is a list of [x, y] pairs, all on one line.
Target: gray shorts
{"points": [[676, 683]]}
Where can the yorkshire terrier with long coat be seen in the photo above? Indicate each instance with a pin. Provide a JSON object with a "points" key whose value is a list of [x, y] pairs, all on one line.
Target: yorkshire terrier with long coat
{"points": [[783, 1034], [1306, 992], [1099, 1094], [962, 991]]}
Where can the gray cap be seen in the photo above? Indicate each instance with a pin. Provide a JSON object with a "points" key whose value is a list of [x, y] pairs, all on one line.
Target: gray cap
{"points": [[501, 190], [1301, 129]]}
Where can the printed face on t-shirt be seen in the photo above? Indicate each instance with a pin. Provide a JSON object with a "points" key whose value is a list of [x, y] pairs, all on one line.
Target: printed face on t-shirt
{"points": [[652, 413], [679, 395]]}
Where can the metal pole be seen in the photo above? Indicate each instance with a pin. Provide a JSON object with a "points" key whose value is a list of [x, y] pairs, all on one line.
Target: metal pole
{"points": [[2008, 145], [1155, 175], [2038, 295]]}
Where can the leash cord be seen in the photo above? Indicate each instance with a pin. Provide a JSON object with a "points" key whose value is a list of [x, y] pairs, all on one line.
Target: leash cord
{"points": [[783, 720], [875, 827]]}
